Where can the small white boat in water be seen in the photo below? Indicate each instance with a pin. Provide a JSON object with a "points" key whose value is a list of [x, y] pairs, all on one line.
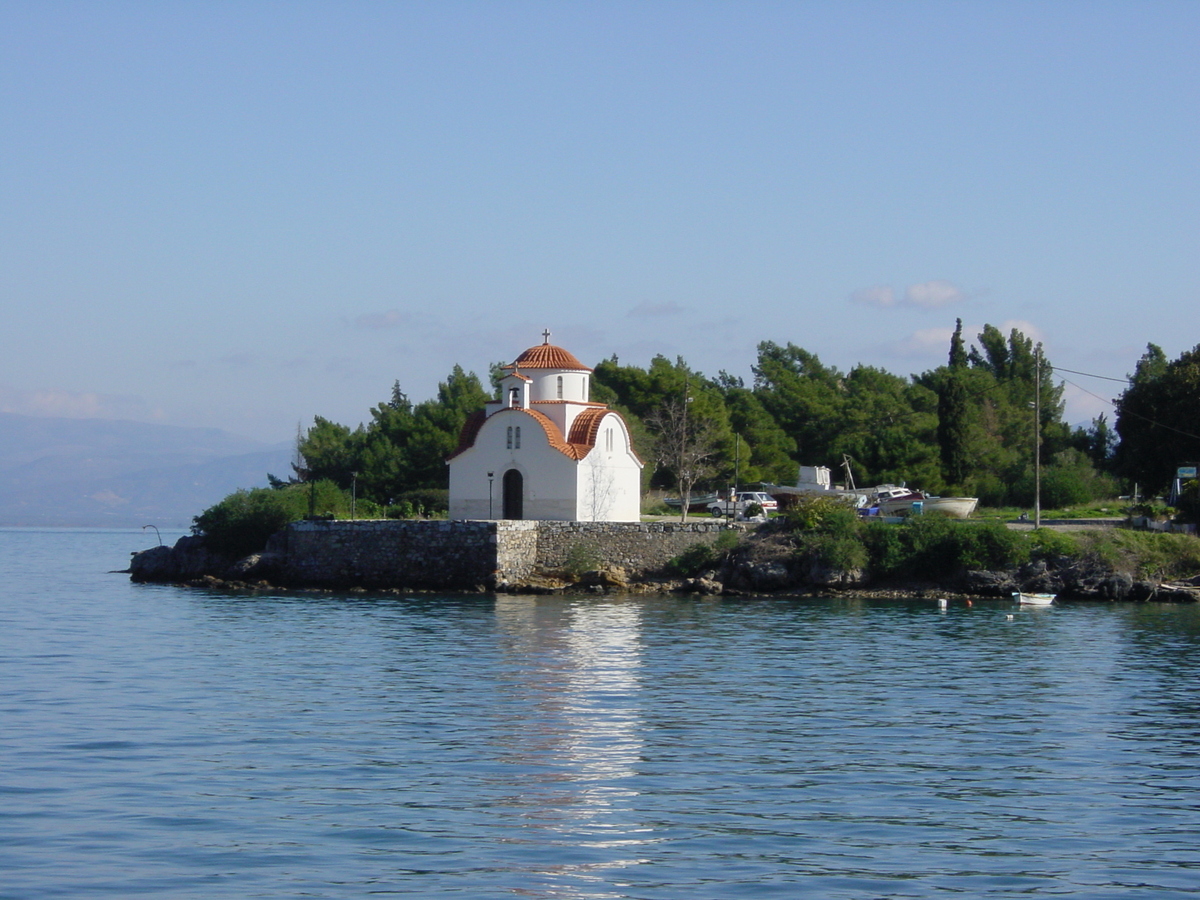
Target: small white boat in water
{"points": [[1033, 599]]}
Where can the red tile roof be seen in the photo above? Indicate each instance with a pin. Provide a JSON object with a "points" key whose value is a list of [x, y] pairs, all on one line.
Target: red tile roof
{"points": [[583, 435], [548, 356]]}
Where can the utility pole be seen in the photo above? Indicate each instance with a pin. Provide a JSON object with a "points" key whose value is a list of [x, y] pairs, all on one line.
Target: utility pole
{"points": [[1037, 436], [685, 496]]}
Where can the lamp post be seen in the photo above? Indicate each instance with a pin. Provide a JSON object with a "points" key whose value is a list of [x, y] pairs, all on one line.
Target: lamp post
{"points": [[490, 476]]}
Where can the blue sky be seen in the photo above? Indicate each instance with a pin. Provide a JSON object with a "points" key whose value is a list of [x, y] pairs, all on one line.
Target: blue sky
{"points": [[242, 215]]}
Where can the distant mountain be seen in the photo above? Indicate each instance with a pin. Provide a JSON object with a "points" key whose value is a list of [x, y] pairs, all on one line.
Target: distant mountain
{"points": [[104, 472]]}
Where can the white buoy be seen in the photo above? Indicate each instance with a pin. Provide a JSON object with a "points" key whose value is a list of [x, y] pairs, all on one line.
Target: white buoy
{"points": [[943, 602]]}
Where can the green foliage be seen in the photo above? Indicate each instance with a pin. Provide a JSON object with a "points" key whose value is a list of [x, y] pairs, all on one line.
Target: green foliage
{"points": [[953, 428], [403, 448], [430, 502], [727, 540], [699, 557], [1047, 544], [241, 523], [1189, 503], [842, 552], [1070, 479], [933, 544], [692, 561], [828, 531], [817, 513], [1157, 418], [1143, 554], [966, 426], [582, 557]]}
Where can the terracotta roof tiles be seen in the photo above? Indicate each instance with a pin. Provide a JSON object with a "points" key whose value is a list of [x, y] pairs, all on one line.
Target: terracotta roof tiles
{"points": [[548, 356]]}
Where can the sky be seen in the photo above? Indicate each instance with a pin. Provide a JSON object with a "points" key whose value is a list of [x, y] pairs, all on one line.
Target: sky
{"points": [[244, 215]]}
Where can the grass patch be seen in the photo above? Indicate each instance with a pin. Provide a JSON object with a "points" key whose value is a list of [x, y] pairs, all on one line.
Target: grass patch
{"points": [[1143, 554], [1110, 509]]}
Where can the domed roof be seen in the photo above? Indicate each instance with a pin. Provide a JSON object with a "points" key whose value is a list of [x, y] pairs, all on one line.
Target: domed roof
{"points": [[548, 356]]}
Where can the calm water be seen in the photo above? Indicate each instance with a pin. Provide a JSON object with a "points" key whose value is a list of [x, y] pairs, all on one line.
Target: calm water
{"points": [[163, 742]]}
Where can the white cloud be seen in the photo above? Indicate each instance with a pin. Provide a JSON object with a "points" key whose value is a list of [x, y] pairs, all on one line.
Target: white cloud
{"points": [[933, 294], [924, 343], [881, 295], [74, 404], [927, 295]]}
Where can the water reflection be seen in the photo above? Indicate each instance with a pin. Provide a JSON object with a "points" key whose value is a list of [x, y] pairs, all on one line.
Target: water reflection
{"points": [[576, 671]]}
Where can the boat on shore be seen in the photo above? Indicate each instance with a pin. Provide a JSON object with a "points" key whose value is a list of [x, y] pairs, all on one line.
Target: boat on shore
{"points": [[699, 502], [886, 499], [903, 504], [1026, 599]]}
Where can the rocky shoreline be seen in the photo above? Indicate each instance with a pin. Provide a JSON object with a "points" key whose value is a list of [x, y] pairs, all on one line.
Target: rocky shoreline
{"points": [[755, 567]]}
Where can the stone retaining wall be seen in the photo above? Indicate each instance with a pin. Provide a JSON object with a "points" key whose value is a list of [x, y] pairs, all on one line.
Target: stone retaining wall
{"points": [[472, 554]]}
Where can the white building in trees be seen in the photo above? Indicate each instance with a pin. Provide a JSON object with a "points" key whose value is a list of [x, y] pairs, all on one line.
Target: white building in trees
{"points": [[543, 450]]}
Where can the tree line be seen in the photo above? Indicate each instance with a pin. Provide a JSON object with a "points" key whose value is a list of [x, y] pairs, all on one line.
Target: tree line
{"points": [[966, 427]]}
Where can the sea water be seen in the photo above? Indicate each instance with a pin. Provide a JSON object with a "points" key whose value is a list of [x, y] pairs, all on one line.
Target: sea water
{"points": [[184, 743]]}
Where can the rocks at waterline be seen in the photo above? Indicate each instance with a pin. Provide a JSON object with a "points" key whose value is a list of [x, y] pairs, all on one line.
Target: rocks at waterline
{"points": [[758, 565]]}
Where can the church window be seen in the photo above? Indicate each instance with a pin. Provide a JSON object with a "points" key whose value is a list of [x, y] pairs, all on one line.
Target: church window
{"points": [[518, 444], [514, 397], [608, 439], [508, 443], [559, 387]]}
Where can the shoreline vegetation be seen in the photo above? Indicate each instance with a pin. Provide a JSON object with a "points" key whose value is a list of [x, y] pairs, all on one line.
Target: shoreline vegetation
{"points": [[819, 547], [968, 428]]}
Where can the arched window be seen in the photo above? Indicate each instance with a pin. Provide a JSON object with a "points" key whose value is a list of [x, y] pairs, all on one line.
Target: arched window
{"points": [[510, 438], [559, 387], [518, 444], [514, 397]]}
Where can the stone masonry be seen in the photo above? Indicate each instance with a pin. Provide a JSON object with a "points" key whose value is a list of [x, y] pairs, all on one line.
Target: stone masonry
{"points": [[464, 555]]}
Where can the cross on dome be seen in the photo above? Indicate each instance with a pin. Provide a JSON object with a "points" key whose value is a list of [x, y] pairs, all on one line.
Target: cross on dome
{"points": [[546, 336]]}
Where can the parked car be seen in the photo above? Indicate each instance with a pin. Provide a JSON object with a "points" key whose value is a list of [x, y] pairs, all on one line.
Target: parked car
{"points": [[741, 500]]}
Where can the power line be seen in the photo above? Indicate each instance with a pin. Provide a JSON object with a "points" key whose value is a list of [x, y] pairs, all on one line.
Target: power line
{"points": [[1086, 375]]}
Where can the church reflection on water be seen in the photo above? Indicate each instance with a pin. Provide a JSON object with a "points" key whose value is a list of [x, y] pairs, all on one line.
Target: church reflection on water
{"points": [[572, 737]]}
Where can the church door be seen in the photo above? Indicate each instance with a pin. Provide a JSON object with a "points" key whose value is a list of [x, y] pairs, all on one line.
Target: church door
{"points": [[514, 490]]}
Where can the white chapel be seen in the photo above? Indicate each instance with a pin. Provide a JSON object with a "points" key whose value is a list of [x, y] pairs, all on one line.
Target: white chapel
{"points": [[543, 450]]}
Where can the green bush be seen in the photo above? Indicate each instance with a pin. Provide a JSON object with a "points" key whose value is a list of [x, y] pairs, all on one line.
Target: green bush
{"points": [[692, 561], [886, 547], [402, 510], [241, 523], [815, 512], [1047, 544], [433, 503], [844, 552], [726, 541], [1189, 503], [582, 557], [932, 545]]}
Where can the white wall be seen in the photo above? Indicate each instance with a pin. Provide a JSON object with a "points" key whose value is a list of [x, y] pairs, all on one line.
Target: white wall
{"points": [[548, 474], [609, 480], [604, 486]]}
